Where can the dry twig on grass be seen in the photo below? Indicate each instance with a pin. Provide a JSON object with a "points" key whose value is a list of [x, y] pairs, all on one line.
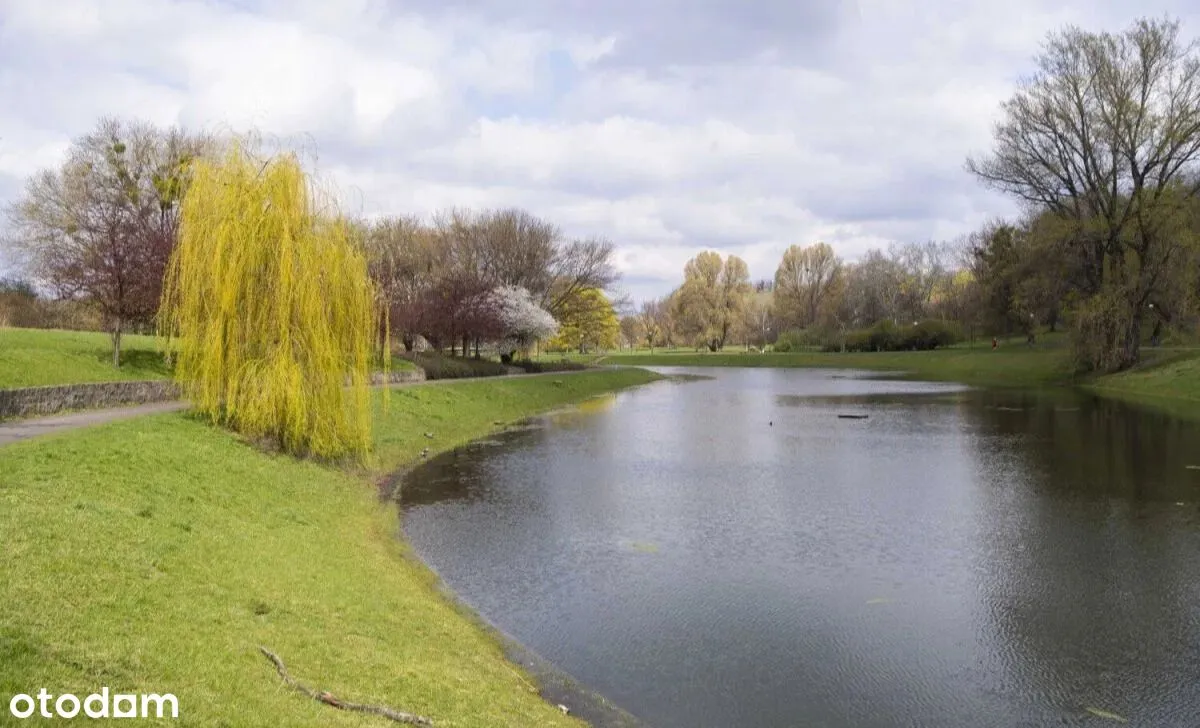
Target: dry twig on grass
{"points": [[327, 698]]}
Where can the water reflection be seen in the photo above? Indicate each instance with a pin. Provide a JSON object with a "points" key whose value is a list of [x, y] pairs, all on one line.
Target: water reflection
{"points": [[730, 552]]}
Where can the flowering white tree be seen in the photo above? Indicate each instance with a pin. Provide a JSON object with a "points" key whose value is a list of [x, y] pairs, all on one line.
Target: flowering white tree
{"points": [[524, 321]]}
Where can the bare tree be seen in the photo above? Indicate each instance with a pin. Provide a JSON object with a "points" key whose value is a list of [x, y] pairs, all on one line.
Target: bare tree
{"points": [[101, 228], [710, 305], [1106, 136], [655, 324], [632, 330], [878, 288], [760, 317], [405, 265], [434, 277], [922, 269], [805, 275], [516, 248], [578, 266]]}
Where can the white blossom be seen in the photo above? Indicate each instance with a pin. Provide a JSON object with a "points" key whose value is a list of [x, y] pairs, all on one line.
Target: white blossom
{"points": [[523, 319]]}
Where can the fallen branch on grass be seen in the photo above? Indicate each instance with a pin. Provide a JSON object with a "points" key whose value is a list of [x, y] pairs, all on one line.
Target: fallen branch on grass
{"points": [[328, 699]]}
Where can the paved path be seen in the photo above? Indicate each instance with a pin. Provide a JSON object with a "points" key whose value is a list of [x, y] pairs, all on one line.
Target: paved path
{"points": [[15, 430], [25, 429]]}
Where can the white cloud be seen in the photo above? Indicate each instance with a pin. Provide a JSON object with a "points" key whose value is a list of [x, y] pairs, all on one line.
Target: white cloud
{"points": [[741, 128]]}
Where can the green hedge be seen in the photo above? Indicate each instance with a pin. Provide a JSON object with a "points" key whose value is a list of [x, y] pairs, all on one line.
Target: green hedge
{"points": [[886, 336], [539, 367], [437, 366], [797, 340]]}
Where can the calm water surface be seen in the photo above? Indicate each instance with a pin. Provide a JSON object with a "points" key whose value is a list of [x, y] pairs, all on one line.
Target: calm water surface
{"points": [[730, 553]]}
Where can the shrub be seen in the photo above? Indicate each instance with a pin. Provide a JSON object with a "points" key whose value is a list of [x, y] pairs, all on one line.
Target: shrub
{"points": [[886, 336], [539, 367], [928, 335], [437, 366], [1101, 334], [859, 340], [796, 339]]}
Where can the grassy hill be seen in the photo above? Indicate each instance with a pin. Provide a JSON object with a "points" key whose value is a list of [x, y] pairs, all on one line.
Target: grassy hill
{"points": [[35, 357], [157, 554]]}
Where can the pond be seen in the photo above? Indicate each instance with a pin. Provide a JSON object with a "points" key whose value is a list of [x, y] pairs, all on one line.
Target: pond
{"points": [[731, 552]]}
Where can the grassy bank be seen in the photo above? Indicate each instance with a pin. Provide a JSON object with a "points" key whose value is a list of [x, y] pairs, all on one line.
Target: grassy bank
{"points": [[40, 357], [1019, 366], [1163, 374], [1171, 382], [36, 357], [155, 555]]}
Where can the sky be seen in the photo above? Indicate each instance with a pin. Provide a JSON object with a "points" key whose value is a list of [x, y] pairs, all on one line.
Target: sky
{"points": [[667, 126]]}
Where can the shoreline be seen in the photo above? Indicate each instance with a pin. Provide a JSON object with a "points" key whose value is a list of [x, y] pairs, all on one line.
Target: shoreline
{"points": [[554, 685], [1168, 381], [551, 683]]}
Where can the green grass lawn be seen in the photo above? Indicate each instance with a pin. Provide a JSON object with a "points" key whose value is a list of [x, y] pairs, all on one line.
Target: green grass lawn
{"points": [[1010, 365], [1168, 378], [1171, 378], [156, 554], [35, 357], [1165, 372], [400, 364]]}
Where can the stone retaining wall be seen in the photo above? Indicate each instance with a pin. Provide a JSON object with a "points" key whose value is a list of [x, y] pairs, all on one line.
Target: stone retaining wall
{"points": [[33, 401], [408, 376]]}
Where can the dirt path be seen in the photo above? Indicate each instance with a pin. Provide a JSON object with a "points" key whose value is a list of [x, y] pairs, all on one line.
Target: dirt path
{"points": [[15, 430], [24, 429]]}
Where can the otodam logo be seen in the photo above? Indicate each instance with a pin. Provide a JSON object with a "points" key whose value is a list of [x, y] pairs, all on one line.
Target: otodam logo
{"points": [[97, 705]]}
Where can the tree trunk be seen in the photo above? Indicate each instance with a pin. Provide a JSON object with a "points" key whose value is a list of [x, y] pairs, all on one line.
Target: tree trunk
{"points": [[116, 342], [382, 334], [466, 346], [476, 347], [1132, 344]]}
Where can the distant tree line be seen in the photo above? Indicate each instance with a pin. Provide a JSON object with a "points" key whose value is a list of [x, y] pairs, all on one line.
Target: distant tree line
{"points": [[502, 277], [1100, 145], [815, 298], [96, 232]]}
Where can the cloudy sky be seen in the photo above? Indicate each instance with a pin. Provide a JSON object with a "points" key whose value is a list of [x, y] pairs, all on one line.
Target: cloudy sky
{"points": [[669, 126]]}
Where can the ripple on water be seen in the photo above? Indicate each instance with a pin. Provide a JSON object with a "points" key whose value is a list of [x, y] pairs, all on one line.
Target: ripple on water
{"points": [[960, 558]]}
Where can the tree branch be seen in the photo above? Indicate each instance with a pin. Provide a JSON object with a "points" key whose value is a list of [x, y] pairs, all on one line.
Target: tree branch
{"points": [[330, 700]]}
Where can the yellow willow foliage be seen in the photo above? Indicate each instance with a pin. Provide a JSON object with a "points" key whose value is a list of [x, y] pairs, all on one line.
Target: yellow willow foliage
{"points": [[273, 309]]}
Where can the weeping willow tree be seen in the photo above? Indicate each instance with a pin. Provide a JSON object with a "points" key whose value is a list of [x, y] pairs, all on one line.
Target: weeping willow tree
{"points": [[270, 301]]}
